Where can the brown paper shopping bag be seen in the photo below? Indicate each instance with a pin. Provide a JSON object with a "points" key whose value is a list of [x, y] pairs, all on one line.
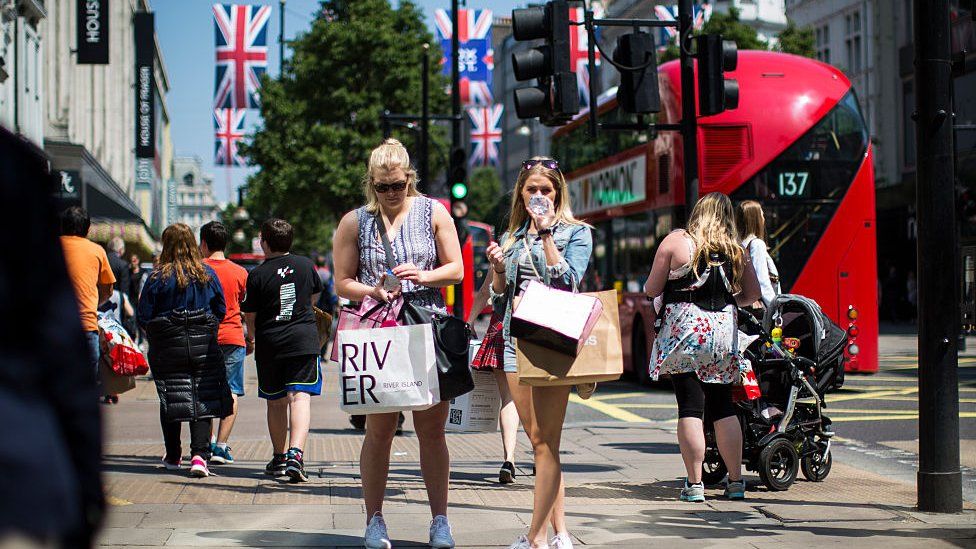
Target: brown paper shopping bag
{"points": [[601, 358]]}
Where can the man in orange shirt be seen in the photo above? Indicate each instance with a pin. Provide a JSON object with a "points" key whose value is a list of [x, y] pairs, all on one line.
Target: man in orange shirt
{"points": [[230, 334], [90, 274]]}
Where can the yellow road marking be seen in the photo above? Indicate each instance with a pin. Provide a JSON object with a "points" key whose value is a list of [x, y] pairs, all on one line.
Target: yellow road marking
{"points": [[868, 411], [962, 415], [609, 409], [915, 399], [654, 406], [875, 394], [620, 395], [112, 500], [892, 388]]}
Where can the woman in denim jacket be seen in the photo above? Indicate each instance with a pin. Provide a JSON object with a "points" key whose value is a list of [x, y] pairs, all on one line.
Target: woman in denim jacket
{"points": [[555, 248]]}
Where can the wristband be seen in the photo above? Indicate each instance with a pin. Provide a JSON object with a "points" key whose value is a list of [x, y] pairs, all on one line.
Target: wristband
{"points": [[544, 232]]}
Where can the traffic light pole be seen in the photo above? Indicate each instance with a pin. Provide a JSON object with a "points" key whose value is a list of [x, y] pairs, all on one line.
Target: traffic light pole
{"points": [[425, 121], [939, 478], [456, 135], [689, 121]]}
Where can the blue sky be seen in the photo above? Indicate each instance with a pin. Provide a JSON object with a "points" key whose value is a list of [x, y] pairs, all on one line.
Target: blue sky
{"points": [[185, 31]]}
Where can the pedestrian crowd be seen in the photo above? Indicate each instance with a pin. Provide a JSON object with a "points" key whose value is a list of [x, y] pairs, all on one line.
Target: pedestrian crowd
{"points": [[201, 315]]}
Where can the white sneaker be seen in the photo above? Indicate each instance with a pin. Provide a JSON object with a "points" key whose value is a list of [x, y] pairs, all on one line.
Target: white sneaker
{"points": [[440, 533], [376, 536], [521, 543], [561, 541]]}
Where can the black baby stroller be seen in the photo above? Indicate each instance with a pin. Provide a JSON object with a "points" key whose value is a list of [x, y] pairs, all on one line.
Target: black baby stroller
{"points": [[784, 430]]}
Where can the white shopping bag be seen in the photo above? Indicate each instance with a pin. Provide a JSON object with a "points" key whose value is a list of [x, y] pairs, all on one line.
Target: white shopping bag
{"points": [[387, 370], [555, 319], [477, 410]]}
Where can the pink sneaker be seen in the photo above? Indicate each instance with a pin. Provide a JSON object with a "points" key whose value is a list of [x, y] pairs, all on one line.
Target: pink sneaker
{"points": [[198, 467]]}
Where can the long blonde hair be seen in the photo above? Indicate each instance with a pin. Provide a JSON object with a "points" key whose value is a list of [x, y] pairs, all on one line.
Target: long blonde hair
{"points": [[749, 219], [181, 257], [517, 215], [390, 155], [712, 228]]}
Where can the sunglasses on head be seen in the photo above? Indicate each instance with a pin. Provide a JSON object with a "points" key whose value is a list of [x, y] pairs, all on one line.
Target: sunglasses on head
{"points": [[383, 188], [546, 163]]}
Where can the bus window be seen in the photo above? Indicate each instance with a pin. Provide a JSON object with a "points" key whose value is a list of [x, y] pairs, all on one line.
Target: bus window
{"points": [[574, 148], [801, 189]]}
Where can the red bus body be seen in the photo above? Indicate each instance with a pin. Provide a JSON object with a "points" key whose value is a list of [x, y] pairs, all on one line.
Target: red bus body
{"points": [[788, 106]]}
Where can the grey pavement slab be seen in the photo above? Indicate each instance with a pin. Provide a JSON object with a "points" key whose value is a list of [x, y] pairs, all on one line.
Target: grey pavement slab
{"points": [[825, 513]]}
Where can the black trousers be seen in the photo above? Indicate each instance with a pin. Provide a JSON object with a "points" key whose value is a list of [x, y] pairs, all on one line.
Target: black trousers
{"points": [[706, 401], [199, 437]]}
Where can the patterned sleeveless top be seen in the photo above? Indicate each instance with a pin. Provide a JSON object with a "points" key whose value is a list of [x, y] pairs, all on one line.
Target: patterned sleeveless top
{"points": [[412, 243]]}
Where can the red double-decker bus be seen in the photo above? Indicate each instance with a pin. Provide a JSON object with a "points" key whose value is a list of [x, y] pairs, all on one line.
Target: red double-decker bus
{"points": [[797, 143]]}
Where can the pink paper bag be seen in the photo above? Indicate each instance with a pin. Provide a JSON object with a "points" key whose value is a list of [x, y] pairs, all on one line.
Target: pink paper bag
{"points": [[371, 314], [555, 319]]}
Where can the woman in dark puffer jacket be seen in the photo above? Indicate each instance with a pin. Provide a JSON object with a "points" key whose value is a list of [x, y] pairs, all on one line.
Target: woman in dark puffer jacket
{"points": [[180, 308]]}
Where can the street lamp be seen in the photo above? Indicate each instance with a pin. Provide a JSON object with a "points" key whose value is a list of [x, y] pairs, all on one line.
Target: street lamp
{"points": [[239, 236]]}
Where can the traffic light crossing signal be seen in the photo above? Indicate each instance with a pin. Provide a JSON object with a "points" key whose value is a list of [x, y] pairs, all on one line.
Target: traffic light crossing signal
{"points": [[715, 57], [638, 91], [458, 182], [556, 97]]}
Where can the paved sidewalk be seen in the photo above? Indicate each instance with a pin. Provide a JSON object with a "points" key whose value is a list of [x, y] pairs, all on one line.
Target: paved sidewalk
{"points": [[622, 486]]}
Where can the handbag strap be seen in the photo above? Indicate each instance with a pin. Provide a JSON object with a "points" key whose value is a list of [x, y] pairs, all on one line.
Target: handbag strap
{"points": [[381, 227], [528, 252]]}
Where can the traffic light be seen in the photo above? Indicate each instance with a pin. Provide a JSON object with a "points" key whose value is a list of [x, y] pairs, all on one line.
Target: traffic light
{"points": [[638, 91], [556, 97], [458, 182], [715, 57]]}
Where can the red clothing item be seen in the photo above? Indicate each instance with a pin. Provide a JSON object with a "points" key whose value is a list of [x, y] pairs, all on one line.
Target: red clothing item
{"points": [[233, 280]]}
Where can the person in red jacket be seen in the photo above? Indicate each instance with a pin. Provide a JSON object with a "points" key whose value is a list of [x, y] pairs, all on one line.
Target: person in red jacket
{"points": [[230, 336]]}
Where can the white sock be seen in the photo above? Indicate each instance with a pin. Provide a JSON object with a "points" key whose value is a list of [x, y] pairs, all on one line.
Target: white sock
{"points": [[222, 445]]}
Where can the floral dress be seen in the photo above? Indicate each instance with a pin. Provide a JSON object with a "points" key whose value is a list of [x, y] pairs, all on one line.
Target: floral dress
{"points": [[692, 339]]}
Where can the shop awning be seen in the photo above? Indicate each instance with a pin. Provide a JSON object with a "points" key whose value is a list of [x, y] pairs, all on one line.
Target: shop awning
{"points": [[135, 234]]}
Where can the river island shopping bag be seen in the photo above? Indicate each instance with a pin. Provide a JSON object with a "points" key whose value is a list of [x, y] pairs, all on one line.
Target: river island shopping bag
{"points": [[387, 370]]}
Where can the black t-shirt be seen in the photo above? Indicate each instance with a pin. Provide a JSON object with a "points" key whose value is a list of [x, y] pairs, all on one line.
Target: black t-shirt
{"points": [[280, 291]]}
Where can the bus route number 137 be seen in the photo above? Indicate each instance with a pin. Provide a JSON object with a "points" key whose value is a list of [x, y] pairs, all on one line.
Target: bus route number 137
{"points": [[793, 184]]}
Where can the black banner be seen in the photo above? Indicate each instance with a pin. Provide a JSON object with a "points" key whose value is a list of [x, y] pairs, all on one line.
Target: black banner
{"points": [[145, 86], [92, 32]]}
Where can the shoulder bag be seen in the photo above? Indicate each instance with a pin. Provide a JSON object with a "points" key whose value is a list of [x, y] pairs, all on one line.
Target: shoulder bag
{"points": [[451, 335]]}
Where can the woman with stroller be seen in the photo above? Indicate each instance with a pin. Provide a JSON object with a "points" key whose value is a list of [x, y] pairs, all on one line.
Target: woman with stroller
{"points": [[549, 245], [180, 308], [428, 257], [751, 224], [703, 273]]}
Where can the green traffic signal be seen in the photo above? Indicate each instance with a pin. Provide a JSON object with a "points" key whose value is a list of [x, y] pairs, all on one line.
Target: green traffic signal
{"points": [[459, 190]]}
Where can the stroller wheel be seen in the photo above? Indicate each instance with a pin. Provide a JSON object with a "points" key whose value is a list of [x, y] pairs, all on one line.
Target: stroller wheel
{"points": [[816, 467], [713, 468], [778, 464]]}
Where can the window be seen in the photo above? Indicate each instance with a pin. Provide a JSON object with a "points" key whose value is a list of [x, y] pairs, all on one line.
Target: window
{"points": [[823, 43], [575, 149], [853, 42], [803, 186]]}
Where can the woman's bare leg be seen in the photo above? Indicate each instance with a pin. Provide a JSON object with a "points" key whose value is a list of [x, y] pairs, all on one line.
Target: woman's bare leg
{"points": [[728, 438], [549, 404], [435, 460], [691, 440], [508, 417], [374, 459]]}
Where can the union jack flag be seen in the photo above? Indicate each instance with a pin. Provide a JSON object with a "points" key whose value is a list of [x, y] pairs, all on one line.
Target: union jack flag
{"points": [[579, 44], [229, 126], [486, 134], [476, 57], [241, 34], [700, 13]]}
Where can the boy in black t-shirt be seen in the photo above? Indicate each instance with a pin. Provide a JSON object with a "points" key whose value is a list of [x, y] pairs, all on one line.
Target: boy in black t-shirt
{"points": [[281, 329]]}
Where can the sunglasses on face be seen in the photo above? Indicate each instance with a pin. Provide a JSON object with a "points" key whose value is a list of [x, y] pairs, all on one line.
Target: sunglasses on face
{"points": [[384, 188], [547, 163]]}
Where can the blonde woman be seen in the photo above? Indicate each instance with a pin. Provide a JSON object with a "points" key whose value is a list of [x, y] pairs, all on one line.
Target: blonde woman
{"points": [[752, 228], [703, 274], [549, 245], [428, 257]]}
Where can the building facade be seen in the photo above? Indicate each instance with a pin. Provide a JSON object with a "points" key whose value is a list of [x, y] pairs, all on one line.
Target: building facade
{"points": [[90, 125], [191, 194], [21, 62], [873, 42]]}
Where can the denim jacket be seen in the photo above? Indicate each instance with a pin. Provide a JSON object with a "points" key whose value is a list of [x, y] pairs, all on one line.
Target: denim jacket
{"points": [[575, 244]]}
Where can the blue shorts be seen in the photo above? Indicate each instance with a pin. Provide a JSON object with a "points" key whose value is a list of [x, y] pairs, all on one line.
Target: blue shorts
{"points": [[234, 361], [280, 376], [511, 366]]}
